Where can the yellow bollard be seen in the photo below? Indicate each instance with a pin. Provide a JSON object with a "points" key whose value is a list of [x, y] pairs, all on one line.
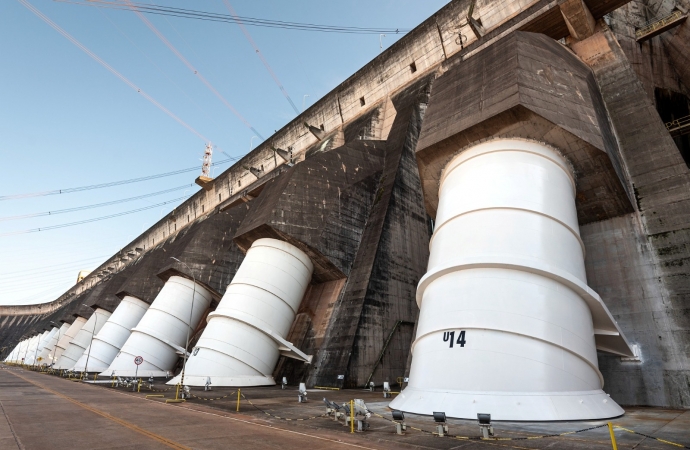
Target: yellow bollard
{"points": [[352, 416], [139, 385], [238, 400], [613, 437]]}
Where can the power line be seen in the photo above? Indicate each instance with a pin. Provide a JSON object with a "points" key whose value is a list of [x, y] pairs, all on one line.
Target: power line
{"points": [[95, 57], [111, 184], [189, 65], [252, 21], [261, 56], [81, 222], [53, 267], [96, 205]]}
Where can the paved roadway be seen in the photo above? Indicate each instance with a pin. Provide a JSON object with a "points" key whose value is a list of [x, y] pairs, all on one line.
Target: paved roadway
{"points": [[39, 411], [46, 412]]}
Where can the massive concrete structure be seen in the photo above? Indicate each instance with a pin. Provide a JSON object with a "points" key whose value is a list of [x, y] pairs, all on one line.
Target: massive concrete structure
{"points": [[352, 185]]}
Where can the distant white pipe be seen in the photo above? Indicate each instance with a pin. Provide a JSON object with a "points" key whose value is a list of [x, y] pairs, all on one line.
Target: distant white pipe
{"points": [[48, 352], [37, 347], [82, 340], [41, 359], [113, 335], [507, 322], [246, 334], [160, 335], [67, 337]]}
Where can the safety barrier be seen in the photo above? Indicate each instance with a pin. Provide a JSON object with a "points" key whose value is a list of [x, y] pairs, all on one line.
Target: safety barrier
{"points": [[282, 418], [212, 399], [651, 437]]}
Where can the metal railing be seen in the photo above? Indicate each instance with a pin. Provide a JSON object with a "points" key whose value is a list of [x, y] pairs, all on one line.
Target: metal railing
{"points": [[679, 127], [656, 25]]}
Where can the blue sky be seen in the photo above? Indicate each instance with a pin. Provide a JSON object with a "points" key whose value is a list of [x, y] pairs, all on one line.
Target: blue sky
{"points": [[65, 121]]}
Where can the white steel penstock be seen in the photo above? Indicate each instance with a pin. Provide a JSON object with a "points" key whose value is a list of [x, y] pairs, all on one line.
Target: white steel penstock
{"points": [[160, 335], [64, 340], [508, 325], [245, 335], [82, 340], [113, 335]]}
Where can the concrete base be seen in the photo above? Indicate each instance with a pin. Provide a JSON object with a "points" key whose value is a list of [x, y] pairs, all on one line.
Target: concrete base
{"points": [[225, 381], [515, 406]]}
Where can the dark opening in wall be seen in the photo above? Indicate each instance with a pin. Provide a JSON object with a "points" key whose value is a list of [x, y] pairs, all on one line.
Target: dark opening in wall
{"points": [[322, 128], [413, 67], [362, 102], [202, 208], [672, 106], [218, 197]]}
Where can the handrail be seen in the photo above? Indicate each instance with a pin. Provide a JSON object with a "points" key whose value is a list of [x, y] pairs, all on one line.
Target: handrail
{"points": [[664, 21], [678, 124]]}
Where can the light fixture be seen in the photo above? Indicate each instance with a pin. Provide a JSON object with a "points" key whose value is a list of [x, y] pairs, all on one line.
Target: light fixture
{"points": [[440, 419], [485, 425]]}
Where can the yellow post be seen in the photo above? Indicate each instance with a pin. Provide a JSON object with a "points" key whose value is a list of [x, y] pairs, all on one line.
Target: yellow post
{"points": [[613, 437], [238, 400], [139, 385], [352, 416], [177, 391]]}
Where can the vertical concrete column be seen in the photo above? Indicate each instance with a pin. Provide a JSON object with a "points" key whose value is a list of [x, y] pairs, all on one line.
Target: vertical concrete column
{"points": [[246, 334], [82, 339], [161, 334], [48, 352], [64, 341], [504, 326], [108, 342]]}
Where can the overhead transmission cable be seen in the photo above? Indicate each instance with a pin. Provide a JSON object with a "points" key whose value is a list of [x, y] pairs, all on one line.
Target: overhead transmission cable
{"points": [[112, 183], [52, 267], [251, 21], [95, 219], [134, 44], [95, 57], [96, 205], [260, 55], [190, 66]]}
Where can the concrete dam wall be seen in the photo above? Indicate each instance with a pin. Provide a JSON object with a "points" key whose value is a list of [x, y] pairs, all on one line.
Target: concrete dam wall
{"points": [[442, 209]]}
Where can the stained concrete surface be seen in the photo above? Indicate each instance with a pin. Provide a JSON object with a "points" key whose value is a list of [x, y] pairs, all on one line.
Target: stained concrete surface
{"points": [[50, 412]]}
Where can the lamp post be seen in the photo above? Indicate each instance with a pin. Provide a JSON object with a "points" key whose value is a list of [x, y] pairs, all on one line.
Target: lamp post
{"points": [[191, 312], [381, 36], [88, 354]]}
